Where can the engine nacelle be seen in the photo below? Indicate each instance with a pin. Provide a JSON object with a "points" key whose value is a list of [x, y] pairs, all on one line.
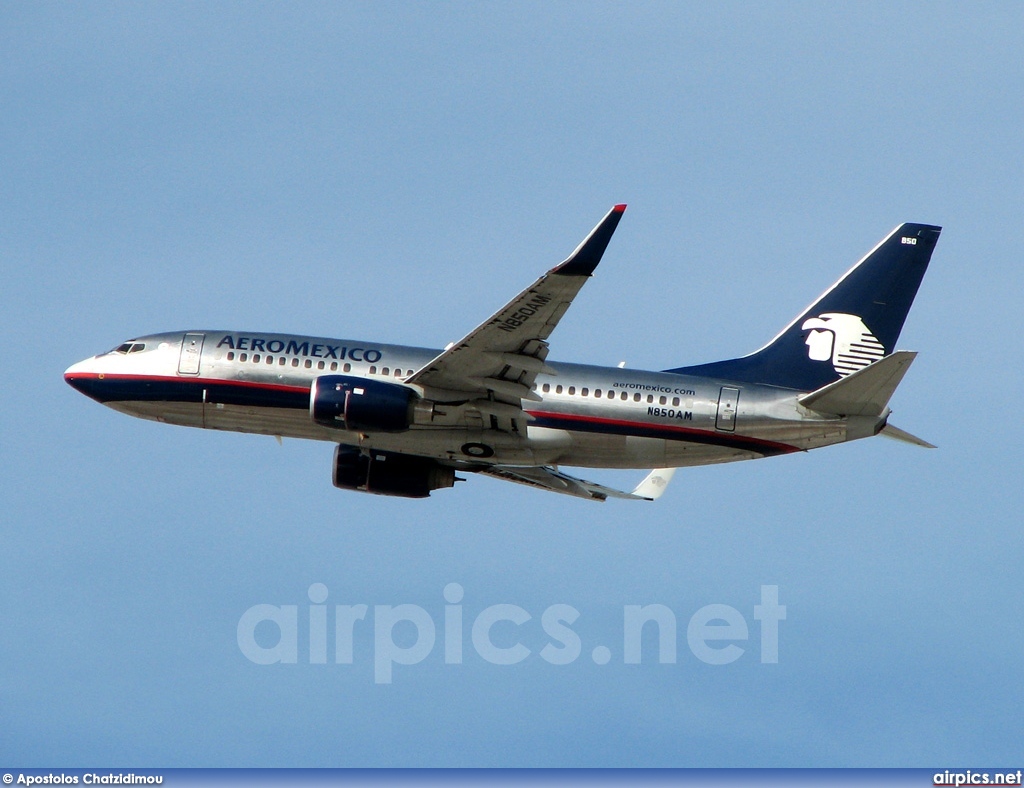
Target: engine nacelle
{"points": [[387, 473], [360, 405]]}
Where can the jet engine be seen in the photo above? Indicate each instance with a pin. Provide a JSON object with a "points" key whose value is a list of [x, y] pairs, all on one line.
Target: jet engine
{"points": [[387, 473], [361, 405]]}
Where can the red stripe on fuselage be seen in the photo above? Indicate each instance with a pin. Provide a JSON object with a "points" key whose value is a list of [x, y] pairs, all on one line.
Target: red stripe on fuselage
{"points": [[755, 444], [185, 379]]}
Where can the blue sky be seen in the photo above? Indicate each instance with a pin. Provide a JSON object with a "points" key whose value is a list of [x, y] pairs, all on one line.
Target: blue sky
{"points": [[397, 172]]}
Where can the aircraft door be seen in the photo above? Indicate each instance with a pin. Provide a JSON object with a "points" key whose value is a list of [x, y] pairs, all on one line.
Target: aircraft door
{"points": [[728, 403], [191, 352]]}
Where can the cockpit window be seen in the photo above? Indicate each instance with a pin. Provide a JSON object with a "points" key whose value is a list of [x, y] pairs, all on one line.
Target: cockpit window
{"points": [[129, 347]]}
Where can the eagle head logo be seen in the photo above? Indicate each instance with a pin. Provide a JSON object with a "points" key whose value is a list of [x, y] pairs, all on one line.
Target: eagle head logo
{"points": [[842, 339]]}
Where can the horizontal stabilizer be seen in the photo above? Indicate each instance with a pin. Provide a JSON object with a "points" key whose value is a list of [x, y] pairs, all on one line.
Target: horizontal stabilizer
{"points": [[865, 392], [897, 434]]}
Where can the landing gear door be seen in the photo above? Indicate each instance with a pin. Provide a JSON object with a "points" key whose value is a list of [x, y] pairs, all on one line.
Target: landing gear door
{"points": [[191, 352], [728, 402]]}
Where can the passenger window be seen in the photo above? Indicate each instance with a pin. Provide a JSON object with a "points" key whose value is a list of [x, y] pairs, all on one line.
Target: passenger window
{"points": [[295, 362], [282, 360], [624, 396], [572, 389], [334, 366], [347, 367], [675, 402], [231, 355], [243, 357], [558, 389], [309, 364], [373, 370], [270, 359], [398, 373], [320, 365], [636, 398], [597, 393], [662, 401], [585, 392], [650, 398], [611, 395], [386, 371], [547, 388], [255, 358]]}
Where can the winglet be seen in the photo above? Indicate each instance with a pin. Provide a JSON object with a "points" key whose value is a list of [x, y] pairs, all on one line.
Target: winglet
{"points": [[587, 255], [654, 484]]}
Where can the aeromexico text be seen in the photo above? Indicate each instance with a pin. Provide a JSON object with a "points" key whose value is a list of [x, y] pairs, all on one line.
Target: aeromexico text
{"points": [[305, 348]]}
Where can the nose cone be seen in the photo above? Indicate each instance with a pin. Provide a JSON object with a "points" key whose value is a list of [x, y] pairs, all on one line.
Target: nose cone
{"points": [[83, 377], [74, 373]]}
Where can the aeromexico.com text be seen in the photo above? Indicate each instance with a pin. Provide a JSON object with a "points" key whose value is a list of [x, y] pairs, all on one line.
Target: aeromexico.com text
{"points": [[407, 634]]}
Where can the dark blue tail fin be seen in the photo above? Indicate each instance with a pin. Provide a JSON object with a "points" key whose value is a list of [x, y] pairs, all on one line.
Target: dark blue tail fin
{"points": [[855, 322]]}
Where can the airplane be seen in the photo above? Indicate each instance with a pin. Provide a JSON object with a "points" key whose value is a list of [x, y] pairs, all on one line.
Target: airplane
{"points": [[406, 420]]}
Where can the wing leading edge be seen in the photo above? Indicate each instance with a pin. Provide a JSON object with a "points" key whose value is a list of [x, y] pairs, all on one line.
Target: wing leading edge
{"points": [[495, 366], [499, 360]]}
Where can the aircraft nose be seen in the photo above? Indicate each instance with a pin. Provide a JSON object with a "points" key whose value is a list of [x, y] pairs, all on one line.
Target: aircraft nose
{"points": [[79, 376], [73, 373]]}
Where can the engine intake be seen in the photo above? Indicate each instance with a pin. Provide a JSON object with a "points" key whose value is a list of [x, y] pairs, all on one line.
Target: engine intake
{"points": [[387, 473], [361, 405]]}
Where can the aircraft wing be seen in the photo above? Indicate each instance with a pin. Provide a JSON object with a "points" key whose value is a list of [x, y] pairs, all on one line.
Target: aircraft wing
{"points": [[498, 362], [549, 478]]}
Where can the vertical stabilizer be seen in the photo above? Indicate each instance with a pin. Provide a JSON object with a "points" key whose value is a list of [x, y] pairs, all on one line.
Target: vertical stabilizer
{"points": [[852, 324]]}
